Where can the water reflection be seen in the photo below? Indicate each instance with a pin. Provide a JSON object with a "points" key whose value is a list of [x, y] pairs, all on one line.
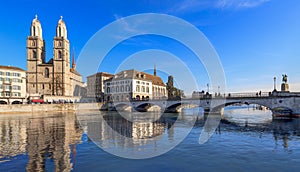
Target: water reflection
{"points": [[49, 140], [141, 128], [45, 139], [284, 129], [136, 136], [261, 121]]}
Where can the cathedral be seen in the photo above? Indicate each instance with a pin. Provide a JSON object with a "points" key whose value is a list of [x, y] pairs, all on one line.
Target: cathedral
{"points": [[55, 78]]}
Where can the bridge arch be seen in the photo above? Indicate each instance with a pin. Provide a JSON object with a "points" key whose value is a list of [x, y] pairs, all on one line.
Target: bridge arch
{"points": [[16, 102], [3, 102], [248, 102], [176, 107], [147, 106], [123, 107]]}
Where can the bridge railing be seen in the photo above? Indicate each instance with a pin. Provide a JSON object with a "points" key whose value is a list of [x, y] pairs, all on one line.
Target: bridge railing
{"points": [[249, 94]]}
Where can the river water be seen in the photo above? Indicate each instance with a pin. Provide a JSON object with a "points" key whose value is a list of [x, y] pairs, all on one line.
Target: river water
{"points": [[245, 140]]}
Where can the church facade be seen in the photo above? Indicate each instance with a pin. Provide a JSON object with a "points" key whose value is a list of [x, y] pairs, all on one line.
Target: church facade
{"points": [[55, 78]]}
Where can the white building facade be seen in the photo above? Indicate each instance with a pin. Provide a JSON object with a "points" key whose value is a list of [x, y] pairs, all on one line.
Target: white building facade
{"points": [[134, 85], [12, 85]]}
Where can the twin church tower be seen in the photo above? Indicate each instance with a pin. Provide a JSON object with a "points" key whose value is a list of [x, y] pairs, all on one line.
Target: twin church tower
{"points": [[55, 77]]}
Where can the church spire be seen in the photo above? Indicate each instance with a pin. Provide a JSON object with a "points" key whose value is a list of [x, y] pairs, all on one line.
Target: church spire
{"points": [[154, 73], [36, 28], [61, 29]]}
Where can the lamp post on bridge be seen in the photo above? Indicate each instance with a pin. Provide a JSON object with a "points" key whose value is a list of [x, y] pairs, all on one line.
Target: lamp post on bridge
{"points": [[207, 88], [275, 83]]}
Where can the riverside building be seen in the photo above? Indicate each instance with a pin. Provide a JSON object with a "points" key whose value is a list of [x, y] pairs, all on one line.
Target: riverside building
{"points": [[95, 85], [12, 85], [134, 85]]}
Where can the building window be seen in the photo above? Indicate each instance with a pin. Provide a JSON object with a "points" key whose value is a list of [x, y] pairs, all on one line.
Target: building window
{"points": [[34, 55], [16, 87], [137, 88], [117, 89], [8, 87], [1, 73], [143, 89], [16, 94], [59, 54], [33, 43], [33, 30], [16, 74], [43, 86], [49, 86], [147, 89], [59, 44], [122, 88], [46, 72], [108, 90], [59, 32], [7, 73], [7, 93]]}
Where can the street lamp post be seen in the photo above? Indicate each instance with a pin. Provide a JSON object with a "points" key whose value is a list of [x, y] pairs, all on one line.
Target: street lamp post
{"points": [[274, 83], [207, 88]]}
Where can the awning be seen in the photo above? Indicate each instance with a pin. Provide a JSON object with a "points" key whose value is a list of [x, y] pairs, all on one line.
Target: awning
{"points": [[37, 100]]}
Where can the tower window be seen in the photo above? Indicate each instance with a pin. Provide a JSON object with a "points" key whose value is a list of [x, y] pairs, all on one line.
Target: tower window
{"points": [[59, 54], [33, 43], [46, 72], [59, 32], [34, 55]]}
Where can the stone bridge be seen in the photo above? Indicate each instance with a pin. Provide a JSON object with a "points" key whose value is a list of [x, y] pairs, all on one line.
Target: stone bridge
{"points": [[280, 103]]}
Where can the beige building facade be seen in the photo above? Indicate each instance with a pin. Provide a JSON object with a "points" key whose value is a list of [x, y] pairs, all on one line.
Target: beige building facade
{"points": [[55, 77], [95, 85], [12, 85]]}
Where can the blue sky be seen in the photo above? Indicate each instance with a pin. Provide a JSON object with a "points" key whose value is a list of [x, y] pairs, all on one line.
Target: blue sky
{"points": [[255, 39]]}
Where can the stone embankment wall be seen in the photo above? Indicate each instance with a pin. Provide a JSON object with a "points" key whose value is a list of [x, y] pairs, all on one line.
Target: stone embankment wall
{"points": [[34, 108]]}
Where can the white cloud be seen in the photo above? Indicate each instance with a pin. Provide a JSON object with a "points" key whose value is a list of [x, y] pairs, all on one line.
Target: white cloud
{"points": [[239, 4], [196, 5]]}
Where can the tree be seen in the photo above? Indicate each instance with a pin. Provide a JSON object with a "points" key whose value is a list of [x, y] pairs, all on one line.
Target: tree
{"points": [[173, 92]]}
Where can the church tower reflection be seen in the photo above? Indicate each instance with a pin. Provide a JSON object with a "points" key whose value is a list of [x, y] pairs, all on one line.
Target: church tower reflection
{"points": [[49, 139]]}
